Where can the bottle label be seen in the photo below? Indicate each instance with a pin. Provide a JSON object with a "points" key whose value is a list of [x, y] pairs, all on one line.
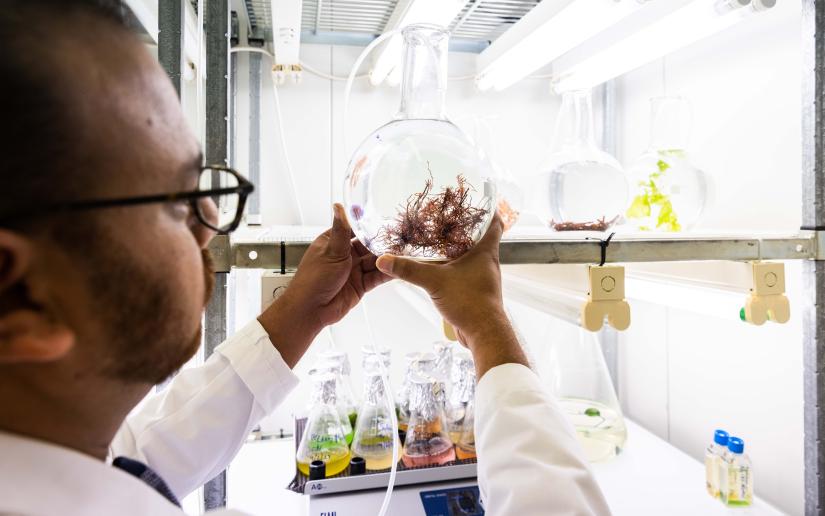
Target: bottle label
{"points": [[712, 474]]}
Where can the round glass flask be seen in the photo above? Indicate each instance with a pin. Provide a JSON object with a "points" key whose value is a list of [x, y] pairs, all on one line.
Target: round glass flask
{"points": [[669, 191], [580, 187], [418, 186]]}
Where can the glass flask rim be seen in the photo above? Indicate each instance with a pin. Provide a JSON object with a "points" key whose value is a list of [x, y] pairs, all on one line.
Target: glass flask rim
{"points": [[419, 28]]}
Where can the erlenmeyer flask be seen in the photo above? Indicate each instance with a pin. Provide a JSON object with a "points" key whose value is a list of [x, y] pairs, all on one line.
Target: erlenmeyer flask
{"points": [[460, 402], [323, 437], [427, 443], [669, 192], [418, 186], [579, 187], [346, 399], [373, 433], [417, 363], [343, 396], [585, 393]]}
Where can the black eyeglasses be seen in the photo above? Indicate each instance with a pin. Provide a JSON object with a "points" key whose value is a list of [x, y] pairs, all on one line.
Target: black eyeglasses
{"points": [[224, 185]]}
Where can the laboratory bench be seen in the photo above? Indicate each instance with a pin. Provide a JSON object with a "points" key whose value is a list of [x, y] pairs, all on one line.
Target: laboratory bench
{"points": [[650, 477]]}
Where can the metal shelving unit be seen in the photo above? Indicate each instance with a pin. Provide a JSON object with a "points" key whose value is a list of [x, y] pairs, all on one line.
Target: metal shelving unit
{"points": [[485, 20]]}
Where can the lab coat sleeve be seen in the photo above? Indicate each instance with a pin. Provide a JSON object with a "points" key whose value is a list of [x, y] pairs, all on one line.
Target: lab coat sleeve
{"points": [[529, 461], [191, 431]]}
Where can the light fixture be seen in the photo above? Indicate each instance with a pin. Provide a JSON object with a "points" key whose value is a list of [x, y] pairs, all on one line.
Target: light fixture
{"points": [[548, 31], [661, 29], [408, 12]]}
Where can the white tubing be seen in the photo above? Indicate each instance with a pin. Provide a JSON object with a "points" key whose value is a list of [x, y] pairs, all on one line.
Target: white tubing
{"points": [[385, 379], [279, 117]]}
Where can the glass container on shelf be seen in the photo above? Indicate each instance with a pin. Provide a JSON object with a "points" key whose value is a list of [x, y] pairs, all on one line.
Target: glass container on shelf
{"points": [[668, 191], [373, 433], [427, 442], [508, 189], [323, 437], [585, 392], [460, 403], [418, 186], [579, 187]]}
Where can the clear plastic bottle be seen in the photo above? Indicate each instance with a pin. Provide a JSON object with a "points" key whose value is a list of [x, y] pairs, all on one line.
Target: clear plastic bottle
{"points": [[373, 432], [427, 442], [323, 437], [579, 187], [418, 186], [736, 476], [714, 458]]}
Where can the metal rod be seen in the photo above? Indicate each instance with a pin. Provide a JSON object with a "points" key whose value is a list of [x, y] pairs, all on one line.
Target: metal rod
{"points": [[170, 39], [263, 255], [813, 215], [253, 213], [319, 4], [217, 152]]}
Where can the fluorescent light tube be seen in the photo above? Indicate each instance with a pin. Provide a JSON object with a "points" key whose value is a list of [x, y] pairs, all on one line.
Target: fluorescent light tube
{"points": [[692, 22], [408, 12], [548, 31]]}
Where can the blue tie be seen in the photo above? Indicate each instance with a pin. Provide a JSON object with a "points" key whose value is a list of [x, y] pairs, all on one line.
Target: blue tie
{"points": [[147, 475]]}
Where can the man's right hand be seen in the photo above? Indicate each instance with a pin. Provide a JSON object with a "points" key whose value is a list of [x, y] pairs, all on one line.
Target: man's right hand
{"points": [[467, 293]]}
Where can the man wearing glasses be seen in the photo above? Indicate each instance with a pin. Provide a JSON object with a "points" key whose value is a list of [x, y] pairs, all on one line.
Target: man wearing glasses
{"points": [[105, 213]]}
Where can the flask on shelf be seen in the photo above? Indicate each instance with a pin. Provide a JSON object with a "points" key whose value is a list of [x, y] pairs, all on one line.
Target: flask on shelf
{"points": [[508, 189], [418, 186], [714, 458], [585, 392], [323, 438], [373, 432], [736, 478], [344, 403], [668, 192], [579, 187], [427, 442]]}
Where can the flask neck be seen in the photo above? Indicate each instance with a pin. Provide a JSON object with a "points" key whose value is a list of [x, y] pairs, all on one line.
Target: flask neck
{"points": [[669, 123], [424, 82], [575, 125]]}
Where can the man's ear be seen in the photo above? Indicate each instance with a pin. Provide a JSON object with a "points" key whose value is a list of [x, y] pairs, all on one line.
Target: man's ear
{"points": [[27, 332]]}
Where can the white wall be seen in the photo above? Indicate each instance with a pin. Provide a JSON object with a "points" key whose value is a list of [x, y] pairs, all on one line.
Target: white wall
{"points": [[682, 374]]}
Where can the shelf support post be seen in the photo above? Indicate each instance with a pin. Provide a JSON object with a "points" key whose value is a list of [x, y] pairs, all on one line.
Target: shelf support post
{"points": [[813, 216]]}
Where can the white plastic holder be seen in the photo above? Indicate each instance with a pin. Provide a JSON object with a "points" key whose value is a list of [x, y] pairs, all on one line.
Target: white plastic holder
{"points": [[767, 300], [606, 299]]}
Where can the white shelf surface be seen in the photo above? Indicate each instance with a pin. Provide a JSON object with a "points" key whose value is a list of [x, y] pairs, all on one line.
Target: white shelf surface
{"points": [[650, 477]]}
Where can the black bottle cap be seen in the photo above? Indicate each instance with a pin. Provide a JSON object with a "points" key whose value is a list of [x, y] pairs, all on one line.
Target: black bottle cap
{"points": [[317, 470], [357, 466]]}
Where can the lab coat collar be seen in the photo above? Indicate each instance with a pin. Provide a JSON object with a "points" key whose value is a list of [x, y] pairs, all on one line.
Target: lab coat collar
{"points": [[40, 478]]}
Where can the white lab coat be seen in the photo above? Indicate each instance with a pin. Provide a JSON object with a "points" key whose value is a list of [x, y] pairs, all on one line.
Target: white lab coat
{"points": [[529, 461]]}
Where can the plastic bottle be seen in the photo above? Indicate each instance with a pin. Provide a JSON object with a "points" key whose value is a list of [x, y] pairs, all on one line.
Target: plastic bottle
{"points": [[737, 476], [714, 457]]}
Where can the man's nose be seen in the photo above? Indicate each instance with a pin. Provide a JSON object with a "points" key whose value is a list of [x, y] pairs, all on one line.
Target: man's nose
{"points": [[209, 212]]}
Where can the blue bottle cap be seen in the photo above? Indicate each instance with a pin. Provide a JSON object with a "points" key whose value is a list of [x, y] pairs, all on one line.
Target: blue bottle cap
{"points": [[720, 437], [736, 445]]}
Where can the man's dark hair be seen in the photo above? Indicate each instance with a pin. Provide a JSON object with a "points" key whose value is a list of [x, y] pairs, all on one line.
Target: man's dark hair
{"points": [[40, 155]]}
